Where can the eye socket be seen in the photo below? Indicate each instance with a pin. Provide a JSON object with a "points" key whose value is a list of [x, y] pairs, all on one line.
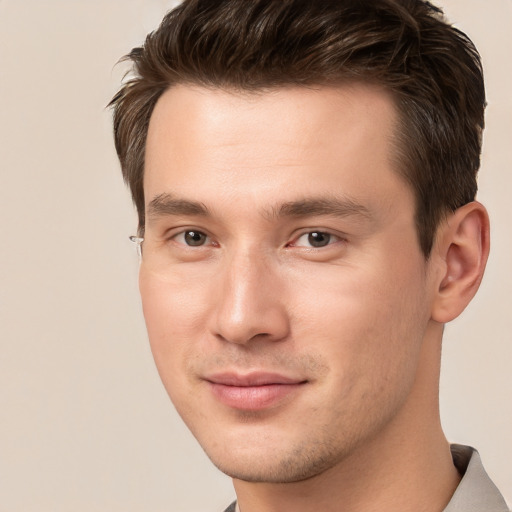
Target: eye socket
{"points": [[316, 239], [192, 238]]}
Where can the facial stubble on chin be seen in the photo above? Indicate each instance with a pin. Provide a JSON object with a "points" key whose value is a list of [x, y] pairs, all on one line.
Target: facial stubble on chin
{"points": [[302, 464]]}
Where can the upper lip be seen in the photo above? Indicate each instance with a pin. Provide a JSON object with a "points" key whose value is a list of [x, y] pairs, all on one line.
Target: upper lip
{"points": [[251, 379]]}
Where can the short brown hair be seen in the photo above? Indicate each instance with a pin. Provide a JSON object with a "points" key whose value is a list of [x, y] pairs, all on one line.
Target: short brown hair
{"points": [[431, 68]]}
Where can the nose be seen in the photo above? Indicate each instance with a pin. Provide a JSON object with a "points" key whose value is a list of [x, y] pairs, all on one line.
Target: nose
{"points": [[251, 301]]}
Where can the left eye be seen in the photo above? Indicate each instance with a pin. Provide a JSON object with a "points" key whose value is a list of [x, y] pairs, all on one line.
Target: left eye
{"points": [[192, 238], [315, 239]]}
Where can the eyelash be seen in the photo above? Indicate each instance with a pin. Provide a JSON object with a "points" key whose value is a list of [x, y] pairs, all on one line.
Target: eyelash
{"points": [[314, 233], [184, 233]]}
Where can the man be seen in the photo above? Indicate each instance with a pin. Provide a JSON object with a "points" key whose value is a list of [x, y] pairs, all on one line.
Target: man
{"points": [[305, 178]]}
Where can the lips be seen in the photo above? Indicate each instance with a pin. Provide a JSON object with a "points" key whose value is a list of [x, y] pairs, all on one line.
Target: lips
{"points": [[254, 391]]}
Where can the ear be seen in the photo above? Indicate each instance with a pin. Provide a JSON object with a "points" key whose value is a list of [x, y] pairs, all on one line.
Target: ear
{"points": [[461, 248]]}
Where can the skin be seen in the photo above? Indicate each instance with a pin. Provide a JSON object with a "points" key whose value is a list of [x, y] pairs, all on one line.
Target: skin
{"points": [[353, 322]]}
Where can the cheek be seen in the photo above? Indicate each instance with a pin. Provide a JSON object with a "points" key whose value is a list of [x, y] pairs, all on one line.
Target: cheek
{"points": [[370, 319], [173, 304], [397, 318], [175, 313]]}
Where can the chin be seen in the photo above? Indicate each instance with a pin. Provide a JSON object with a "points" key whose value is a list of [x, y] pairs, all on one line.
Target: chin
{"points": [[273, 465]]}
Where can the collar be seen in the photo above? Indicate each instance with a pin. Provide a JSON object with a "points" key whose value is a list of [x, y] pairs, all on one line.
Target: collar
{"points": [[476, 492]]}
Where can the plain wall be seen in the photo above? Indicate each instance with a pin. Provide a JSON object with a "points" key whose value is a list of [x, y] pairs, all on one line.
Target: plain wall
{"points": [[85, 424]]}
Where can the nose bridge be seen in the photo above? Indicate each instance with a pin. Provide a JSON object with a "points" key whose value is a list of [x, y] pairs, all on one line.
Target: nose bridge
{"points": [[250, 302]]}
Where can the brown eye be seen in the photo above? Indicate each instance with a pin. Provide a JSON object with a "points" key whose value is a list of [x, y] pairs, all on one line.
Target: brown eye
{"points": [[194, 238], [318, 239]]}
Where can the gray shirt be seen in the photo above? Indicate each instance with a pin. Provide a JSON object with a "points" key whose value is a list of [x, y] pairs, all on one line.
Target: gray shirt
{"points": [[475, 493]]}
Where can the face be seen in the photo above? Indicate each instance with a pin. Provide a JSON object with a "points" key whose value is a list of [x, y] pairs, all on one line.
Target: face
{"points": [[284, 290]]}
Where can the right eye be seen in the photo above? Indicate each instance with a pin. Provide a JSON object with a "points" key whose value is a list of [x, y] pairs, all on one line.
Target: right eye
{"points": [[191, 238]]}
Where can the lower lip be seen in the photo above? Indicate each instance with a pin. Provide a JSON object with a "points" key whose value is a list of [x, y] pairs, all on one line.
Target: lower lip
{"points": [[253, 398]]}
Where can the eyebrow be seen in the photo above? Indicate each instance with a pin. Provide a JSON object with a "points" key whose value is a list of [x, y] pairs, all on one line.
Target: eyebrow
{"points": [[335, 206], [166, 204]]}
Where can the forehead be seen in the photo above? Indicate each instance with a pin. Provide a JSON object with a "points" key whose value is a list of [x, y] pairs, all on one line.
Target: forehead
{"points": [[276, 143]]}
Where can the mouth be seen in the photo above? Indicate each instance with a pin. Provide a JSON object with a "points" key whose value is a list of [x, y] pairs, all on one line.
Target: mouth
{"points": [[254, 391]]}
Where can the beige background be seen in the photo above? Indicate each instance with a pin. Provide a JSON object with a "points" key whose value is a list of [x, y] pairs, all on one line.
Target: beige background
{"points": [[85, 424]]}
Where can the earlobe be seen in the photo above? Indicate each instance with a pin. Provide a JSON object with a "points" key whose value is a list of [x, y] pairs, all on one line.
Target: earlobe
{"points": [[462, 245]]}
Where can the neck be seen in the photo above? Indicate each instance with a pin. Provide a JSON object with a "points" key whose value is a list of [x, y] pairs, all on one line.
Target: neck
{"points": [[406, 467]]}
